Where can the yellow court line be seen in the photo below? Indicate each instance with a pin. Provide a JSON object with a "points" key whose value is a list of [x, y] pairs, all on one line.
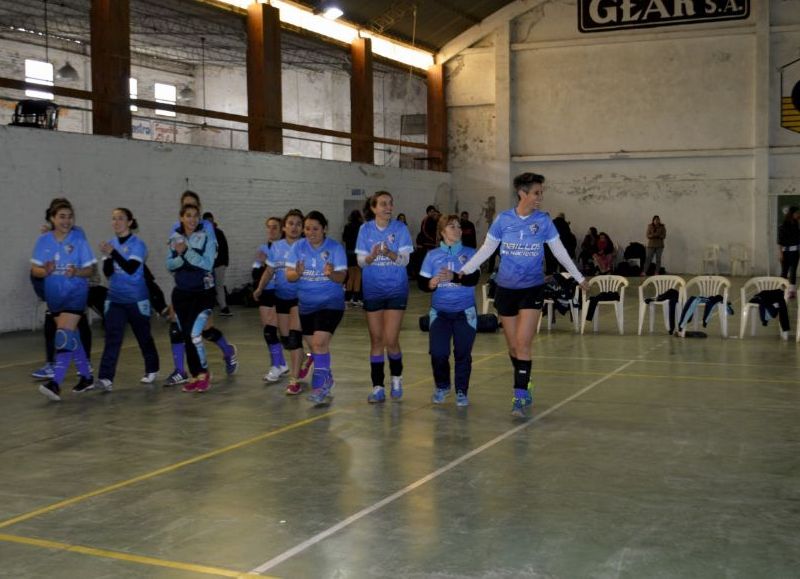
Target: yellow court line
{"points": [[160, 471], [669, 376], [127, 557]]}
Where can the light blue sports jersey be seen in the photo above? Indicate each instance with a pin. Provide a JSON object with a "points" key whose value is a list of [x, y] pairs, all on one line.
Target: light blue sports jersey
{"points": [[276, 259], [265, 248], [449, 297], [383, 278], [314, 289], [522, 242], [124, 288], [62, 292]]}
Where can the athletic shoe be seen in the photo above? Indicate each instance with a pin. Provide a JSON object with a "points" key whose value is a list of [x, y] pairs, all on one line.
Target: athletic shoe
{"points": [[104, 384], [294, 388], [51, 390], [149, 378], [226, 312], [177, 377], [305, 367], [85, 384], [378, 395], [521, 402], [439, 394], [397, 388], [232, 362], [322, 395], [275, 373], [203, 382], [191, 386], [46, 372], [461, 399], [784, 335]]}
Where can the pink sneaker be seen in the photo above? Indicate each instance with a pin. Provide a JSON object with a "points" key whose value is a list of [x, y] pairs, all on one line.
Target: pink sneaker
{"points": [[203, 382], [305, 366], [294, 388], [191, 385]]}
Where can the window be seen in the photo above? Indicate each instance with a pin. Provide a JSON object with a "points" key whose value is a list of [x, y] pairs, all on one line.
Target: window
{"points": [[38, 72], [167, 94], [133, 86]]}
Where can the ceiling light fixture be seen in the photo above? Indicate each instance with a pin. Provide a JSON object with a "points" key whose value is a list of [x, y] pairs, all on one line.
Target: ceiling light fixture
{"points": [[302, 17]]}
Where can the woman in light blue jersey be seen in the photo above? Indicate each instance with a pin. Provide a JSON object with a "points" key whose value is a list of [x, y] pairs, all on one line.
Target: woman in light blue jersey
{"points": [[383, 249], [128, 300], [264, 295], [521, 234], [284, 298], [453, 317], [63, 258], [318, 265]]}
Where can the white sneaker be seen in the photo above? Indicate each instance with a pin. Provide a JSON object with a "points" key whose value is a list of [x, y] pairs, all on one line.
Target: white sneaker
{"points": [[784, 335], [104, 384], [149, 378], [275, 373]]}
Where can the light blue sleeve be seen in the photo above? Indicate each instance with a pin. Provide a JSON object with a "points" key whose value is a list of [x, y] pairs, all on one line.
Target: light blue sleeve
{"points": [[404, 241], [139, 251], [496, 229], [39, 256], [85, 255], [362, 243], [339, 258], [202, 257], [425, 269], [550, 232], [291, 257]]}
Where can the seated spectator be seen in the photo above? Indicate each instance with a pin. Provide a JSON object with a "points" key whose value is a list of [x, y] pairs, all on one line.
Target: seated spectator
{"points": [[588, 249], [605, 256]]}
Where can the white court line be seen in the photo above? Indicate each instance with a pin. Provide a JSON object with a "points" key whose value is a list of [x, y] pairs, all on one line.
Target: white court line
{"points": [[426, 479]]}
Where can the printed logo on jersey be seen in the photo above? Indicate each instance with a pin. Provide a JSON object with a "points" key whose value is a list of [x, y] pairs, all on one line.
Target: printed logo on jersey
{"points": [[69, 248], [534, 228], [391, 238], [462, 259]]}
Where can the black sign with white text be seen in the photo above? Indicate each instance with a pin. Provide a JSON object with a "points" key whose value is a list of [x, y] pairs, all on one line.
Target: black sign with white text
{"points": [[601, 15]]}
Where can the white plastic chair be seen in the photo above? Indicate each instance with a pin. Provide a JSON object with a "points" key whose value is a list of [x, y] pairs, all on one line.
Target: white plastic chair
{"points": [[751, 287], [740, 259], [707, 286], [548, 308], [486, 301], [604, 283], [652, 288], [711, 259]]}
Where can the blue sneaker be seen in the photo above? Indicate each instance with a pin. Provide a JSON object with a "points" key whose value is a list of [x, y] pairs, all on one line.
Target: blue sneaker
{"points": [[232, 361], [522, 401], [378, 395], [439, 394], [461, 399], [397, 388], [322, 396], [46, 372]]}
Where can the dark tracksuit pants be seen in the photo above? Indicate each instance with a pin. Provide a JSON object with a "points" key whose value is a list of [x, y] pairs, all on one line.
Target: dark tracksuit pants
{"points": [[116, 316], [444, 328], [192, 309]]}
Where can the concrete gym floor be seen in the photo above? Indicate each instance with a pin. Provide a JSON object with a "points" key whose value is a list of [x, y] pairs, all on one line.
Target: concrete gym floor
{"points": [[647, 456]]}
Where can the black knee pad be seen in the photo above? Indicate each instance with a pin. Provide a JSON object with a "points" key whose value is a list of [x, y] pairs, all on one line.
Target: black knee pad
{"points": [[294, 341], [212, 334], [175, 333], [271, 335]]}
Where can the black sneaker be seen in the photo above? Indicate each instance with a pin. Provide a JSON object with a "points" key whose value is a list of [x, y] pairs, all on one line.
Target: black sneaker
{"points": [[51, 390], [226, 312], [84, 385]]}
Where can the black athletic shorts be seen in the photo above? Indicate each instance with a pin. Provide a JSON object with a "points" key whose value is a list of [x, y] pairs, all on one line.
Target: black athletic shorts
{"points": [[321, 321], [508, 302], [267, 299], [283, 306]]}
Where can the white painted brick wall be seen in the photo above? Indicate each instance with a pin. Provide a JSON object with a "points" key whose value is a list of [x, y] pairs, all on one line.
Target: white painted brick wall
{"points": [[241, 188]]}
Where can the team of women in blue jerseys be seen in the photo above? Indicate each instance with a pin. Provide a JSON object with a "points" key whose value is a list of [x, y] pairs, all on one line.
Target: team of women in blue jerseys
{"points": [[301, 272]]}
